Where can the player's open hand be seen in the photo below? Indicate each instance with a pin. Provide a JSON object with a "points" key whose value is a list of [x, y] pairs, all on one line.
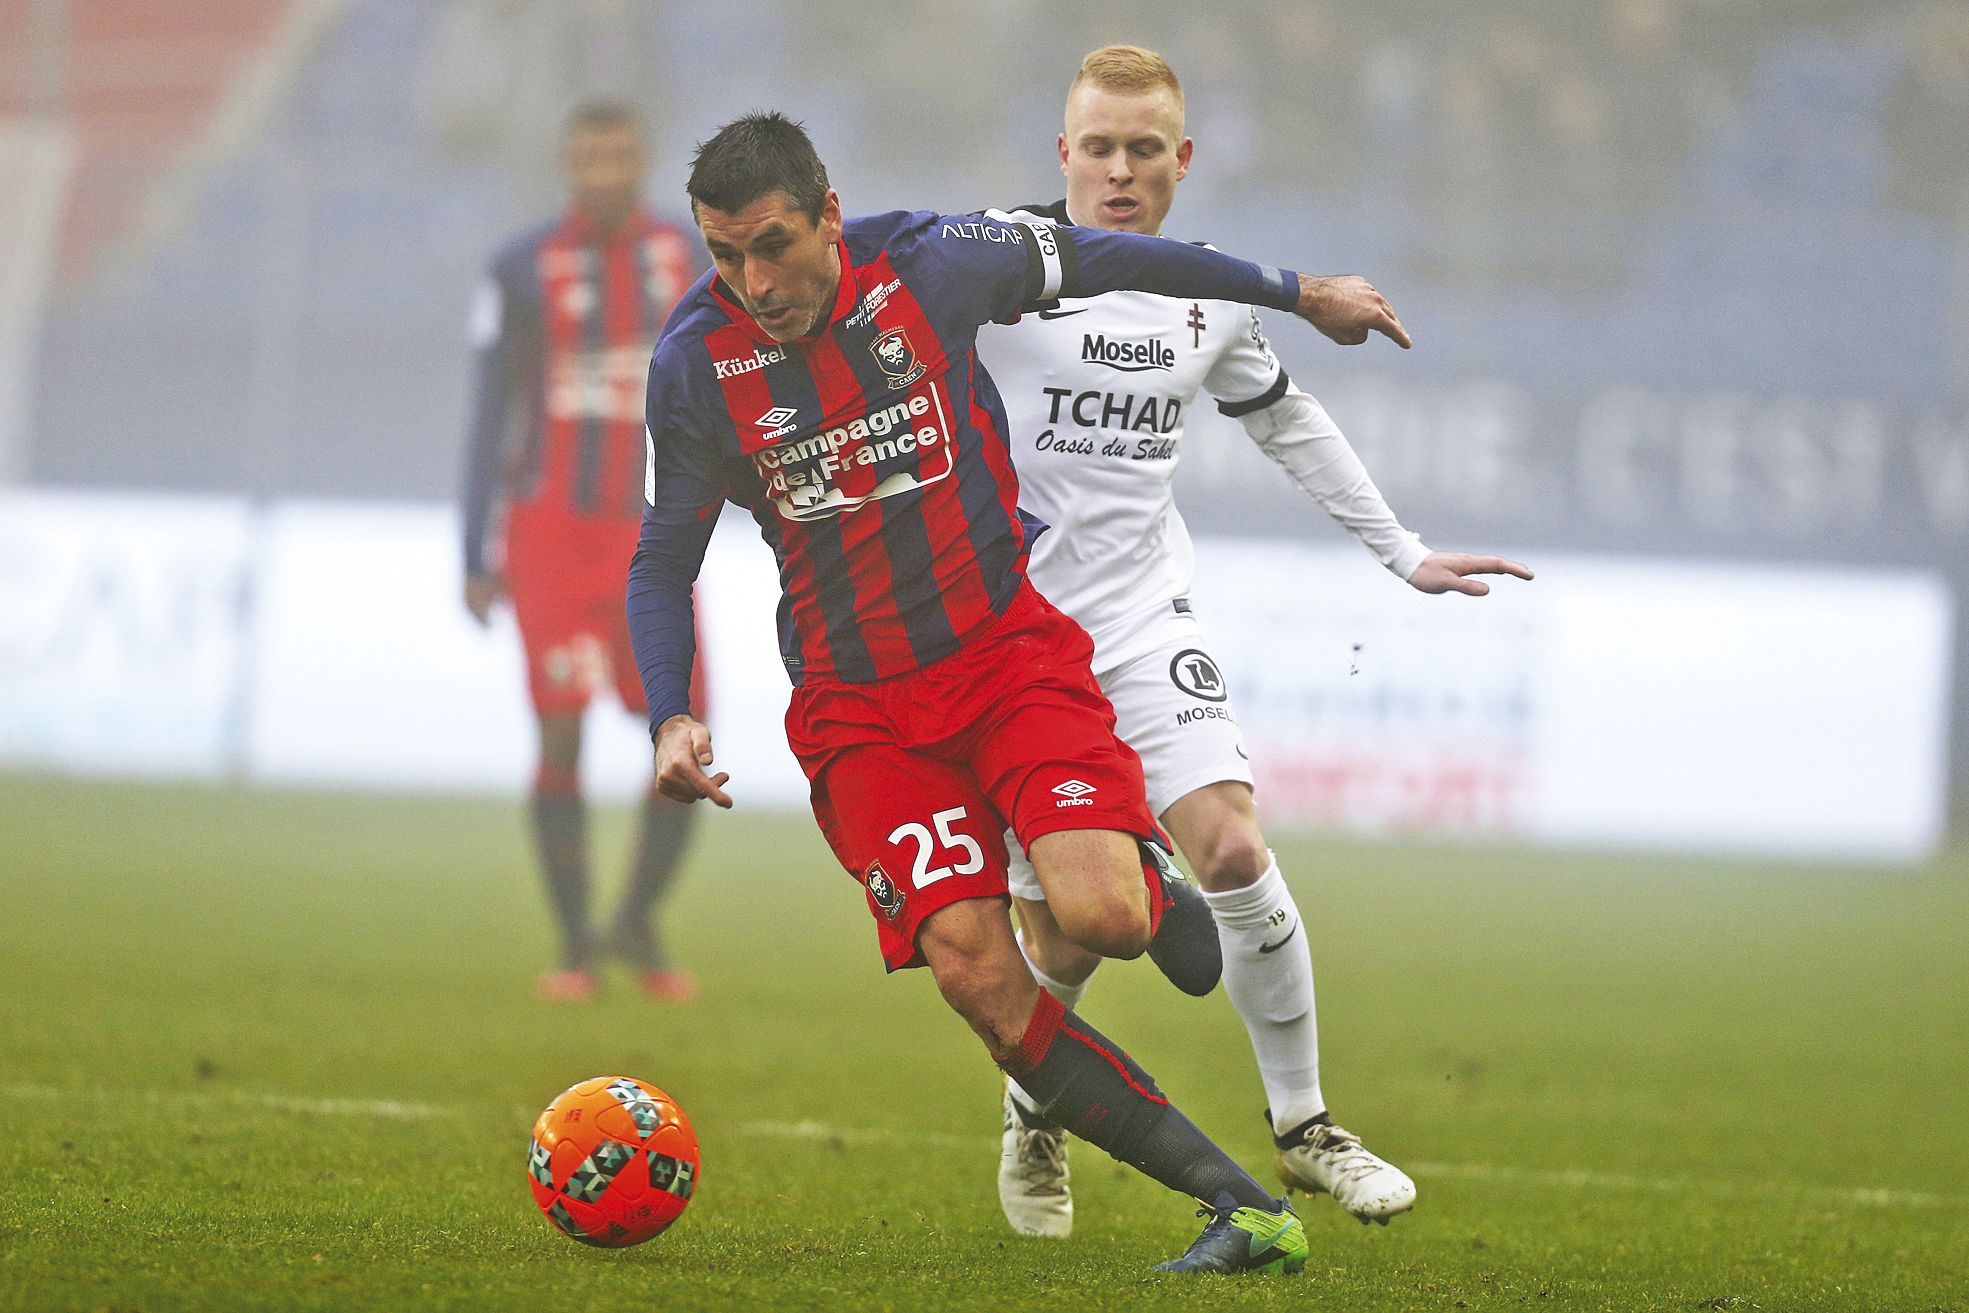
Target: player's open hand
{"points": [[482, 591], [1347, 309], [683, 750], [1449, 572]]}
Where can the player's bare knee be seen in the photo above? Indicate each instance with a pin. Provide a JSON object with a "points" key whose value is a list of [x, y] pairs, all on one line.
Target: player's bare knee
{"points": [[1116, 925], [1231, 856]]}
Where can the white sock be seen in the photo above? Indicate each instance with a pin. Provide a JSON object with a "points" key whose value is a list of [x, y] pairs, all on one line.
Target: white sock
{"points": [[1069, 996], [1273, 991]]}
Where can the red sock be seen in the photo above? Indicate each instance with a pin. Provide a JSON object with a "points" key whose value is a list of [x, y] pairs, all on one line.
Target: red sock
{"points": [[1080, 1079]]}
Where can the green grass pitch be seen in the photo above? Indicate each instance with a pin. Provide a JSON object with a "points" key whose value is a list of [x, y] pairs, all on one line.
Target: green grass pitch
{"points": [[272, 1050]]}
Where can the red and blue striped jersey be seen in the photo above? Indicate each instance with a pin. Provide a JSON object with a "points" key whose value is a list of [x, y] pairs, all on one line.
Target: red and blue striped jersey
{"points": [[563, 326], [871, 454]]}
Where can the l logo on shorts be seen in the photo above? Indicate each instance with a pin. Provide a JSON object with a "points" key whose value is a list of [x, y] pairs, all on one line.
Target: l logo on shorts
{"points": [[1196, 674]]}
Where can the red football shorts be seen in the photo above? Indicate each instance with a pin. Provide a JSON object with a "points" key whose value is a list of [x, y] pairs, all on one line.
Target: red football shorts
{"points": [[568, 577], [915, 778]]}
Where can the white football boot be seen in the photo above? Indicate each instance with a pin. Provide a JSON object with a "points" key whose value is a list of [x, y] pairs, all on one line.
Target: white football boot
{"points": [[1321, 1158], [1032, 1177]]}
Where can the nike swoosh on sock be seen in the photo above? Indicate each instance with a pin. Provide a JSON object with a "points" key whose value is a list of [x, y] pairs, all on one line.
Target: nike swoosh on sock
{"points": [[1268, 948]]}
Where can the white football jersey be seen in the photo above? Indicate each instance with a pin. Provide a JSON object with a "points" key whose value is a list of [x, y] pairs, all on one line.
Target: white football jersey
{"points": [[1096, 392]]}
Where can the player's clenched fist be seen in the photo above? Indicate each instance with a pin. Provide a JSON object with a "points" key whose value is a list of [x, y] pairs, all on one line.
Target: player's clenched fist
{"points": [[1347, 309], [683, 750]]}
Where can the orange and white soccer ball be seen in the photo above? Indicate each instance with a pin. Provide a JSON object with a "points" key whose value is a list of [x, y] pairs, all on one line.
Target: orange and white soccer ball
{"points": [[613, 1162]]}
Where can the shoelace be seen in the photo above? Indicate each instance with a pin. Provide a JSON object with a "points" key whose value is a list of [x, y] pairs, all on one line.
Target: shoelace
{"points": [[1215, 1215], [1351, 1160], [1039, 1155]]}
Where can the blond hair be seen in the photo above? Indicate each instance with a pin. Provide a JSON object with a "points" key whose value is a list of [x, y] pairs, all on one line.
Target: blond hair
{"points": [[1128, 68]]}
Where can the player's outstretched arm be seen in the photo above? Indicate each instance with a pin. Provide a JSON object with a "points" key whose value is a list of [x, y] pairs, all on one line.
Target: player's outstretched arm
{"points": [[681, 498], [1451, 572], [683, 750], [1076, 262], [1347, 309]]}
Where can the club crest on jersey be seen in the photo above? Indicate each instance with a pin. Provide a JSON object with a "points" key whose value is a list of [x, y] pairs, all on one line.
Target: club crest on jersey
{"points": [[897, 358], [883, 890]]}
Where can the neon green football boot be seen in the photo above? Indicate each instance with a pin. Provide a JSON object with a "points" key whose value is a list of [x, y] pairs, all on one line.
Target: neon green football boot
{"points": [[1244, 1240]]}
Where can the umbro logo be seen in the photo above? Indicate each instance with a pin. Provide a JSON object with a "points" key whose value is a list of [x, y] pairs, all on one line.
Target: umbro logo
{"points": [[1073, 793], [775, 417]]}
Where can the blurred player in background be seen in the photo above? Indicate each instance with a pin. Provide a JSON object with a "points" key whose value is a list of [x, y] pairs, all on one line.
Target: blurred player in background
{"points": [[1095, 392], [825, 379], [553, 496]]}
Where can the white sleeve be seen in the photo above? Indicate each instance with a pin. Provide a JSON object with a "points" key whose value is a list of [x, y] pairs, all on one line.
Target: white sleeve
{"points": [[1246, 376], [1296, 431]]}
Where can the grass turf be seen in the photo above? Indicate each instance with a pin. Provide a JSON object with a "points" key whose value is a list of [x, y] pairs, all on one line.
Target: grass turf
{"points": [[281, 1051]]}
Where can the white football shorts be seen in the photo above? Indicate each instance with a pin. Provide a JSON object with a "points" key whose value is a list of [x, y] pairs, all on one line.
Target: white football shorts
{"points": [[1172, 706]]}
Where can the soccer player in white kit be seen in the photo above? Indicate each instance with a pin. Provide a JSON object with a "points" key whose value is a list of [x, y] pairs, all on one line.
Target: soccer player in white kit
{"points": [[1096, 392]]}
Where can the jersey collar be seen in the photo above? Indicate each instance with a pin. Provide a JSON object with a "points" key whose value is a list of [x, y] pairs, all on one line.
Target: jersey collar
{"points": [[845, 298]]}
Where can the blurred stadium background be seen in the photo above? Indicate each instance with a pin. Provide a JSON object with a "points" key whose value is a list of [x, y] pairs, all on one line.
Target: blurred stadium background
{"points": [[1689, 281]]}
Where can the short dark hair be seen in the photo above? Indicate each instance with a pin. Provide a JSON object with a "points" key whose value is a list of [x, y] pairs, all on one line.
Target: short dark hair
{"points": [[752, 156], [604, 112]]}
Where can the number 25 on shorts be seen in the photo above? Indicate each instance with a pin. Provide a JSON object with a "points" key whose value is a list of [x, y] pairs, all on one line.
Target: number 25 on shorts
{"points": [[941, 846]]}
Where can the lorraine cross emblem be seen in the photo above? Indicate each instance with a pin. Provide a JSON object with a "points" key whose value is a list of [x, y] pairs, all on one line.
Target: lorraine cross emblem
{"points": [[1195, 322]]}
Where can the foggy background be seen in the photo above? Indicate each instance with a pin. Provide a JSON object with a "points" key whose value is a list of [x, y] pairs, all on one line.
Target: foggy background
{"points": [[1688, 279]]}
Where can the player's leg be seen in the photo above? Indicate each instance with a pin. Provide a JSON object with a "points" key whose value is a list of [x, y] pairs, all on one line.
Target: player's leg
{"points": [[565, 663], [663, 839], [1046, 753], [1094, 889], [1173, 705], [559, 814], [1082, 1079], [1089, 877], [1268, 969], [1034, 1183], [926, 844], [1060, 966]]}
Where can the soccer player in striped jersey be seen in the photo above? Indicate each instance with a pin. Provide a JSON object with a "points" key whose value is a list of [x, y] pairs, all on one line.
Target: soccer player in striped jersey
{"points": [[552, 502], [824, 379], [1096, 392]]}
